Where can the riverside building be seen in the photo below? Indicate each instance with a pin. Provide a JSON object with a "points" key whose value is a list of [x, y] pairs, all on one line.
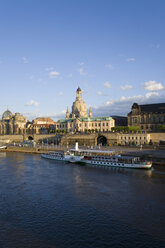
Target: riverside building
{"points": [[147, 117], [79, 121], [12, 123]]}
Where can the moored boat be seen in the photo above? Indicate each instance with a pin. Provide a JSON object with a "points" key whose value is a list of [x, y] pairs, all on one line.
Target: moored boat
{"points": [[59, 156], [117, 161], [62, 156], [110, 159]]}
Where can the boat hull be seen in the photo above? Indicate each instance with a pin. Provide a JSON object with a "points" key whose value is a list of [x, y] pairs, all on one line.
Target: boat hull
{"points": [[116, 164], [52, 157]]}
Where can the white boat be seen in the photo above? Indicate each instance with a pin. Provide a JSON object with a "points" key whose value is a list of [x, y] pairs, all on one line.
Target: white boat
{"points": [[110, 159], [117, 161], [59, 156], [3, 147], [62, 156]]}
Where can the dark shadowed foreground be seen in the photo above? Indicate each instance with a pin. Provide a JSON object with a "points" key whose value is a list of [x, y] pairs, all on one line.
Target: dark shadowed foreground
{"points": [[48, 204]]}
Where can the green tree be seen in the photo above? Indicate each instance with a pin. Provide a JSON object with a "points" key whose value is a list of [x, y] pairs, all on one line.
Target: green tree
{"points": [[161, 128]]}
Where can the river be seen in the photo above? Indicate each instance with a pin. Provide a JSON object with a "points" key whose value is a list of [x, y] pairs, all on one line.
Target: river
{"points": [[46, 204]]}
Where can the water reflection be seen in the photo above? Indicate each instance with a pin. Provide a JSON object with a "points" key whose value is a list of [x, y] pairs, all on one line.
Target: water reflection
{"points": [[66, 205]]}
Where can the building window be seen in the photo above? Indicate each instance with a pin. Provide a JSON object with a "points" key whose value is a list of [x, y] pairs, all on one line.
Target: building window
{"points": [[107, 124], [103, 124], [99, 124], [95, 124]]}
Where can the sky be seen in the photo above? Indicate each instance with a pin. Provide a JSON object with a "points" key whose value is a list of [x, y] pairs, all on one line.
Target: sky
{"points": [[113, 49]]}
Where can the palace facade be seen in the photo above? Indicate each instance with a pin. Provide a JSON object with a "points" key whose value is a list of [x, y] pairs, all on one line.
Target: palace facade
{"points": [[40, 125], [12, 123], [79, 121], [147, 117]]}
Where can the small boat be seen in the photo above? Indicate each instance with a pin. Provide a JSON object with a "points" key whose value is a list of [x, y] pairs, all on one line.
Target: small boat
{"points": [[62, 156], [59, 156], [3, 147]]}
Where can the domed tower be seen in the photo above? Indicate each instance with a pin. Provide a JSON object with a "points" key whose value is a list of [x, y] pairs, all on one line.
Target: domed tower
{"points": [[7, 115], [79, 108], [8, 122]]}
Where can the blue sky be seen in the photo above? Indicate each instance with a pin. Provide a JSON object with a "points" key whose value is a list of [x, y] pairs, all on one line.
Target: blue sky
{"points": [[113, 49]]}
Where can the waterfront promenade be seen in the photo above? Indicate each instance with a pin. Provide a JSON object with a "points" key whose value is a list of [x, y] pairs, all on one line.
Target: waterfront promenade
{"points": [[157, 155]]}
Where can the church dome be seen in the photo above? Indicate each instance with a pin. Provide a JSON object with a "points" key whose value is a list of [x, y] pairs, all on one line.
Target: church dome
{"points": [[7, 114], [79, 108]]}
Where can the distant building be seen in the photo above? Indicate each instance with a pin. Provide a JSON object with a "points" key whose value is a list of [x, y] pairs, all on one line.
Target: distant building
{"points": [[12, 123], [41, 125], [78, 120], [120, 120], [147, 117]]}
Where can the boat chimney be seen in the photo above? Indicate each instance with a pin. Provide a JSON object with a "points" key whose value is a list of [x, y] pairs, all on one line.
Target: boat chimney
{"points": [[76, 146]]}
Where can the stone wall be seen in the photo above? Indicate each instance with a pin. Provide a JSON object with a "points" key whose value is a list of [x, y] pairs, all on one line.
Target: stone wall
{"points": [[11, 138], [157, 137]]}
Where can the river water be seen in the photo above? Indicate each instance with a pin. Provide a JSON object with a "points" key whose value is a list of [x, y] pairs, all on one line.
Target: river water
{"points": [[45, 204]]}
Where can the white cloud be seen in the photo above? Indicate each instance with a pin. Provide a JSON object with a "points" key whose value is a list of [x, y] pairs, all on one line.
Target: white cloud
{"points": [[81, 63], [49, 69], [149, 94], [109, 66], [53, 74], [32, 103], [126, 87], [54, 116], [99, 93], [60, 93], [25, 60], [123, 105], [107, 84], [130, 59], [81, 71], [153, 86], [69, 75], [85, 91]]}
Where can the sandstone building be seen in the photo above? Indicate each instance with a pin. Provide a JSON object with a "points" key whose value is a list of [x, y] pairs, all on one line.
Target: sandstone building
{"points": [[79, 121], [40, 125], [147, 117], [12, 123]]}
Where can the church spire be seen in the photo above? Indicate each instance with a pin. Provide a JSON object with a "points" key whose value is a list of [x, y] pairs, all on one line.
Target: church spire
{"points": [[90, 112], [67, 113], [79, 93]]}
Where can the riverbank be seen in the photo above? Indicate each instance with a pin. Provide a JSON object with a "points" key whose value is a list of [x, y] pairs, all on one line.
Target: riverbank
{"points": [[157, 156]]}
